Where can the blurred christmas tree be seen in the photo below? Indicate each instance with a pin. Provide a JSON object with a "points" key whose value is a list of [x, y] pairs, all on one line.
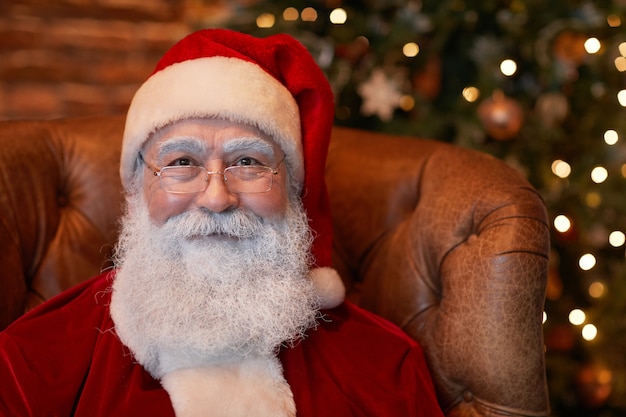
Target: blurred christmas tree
{"points": [[539, 84]]}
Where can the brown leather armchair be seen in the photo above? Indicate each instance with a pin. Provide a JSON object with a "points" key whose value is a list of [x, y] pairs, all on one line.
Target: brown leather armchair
{"points": [[450, 244]]}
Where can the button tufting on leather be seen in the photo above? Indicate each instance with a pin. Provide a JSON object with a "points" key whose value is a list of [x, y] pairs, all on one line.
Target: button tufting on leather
{"points": [[468, 396], [62, 200]]}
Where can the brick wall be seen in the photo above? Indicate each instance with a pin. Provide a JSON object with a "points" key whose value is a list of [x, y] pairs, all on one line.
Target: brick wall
{"points": [[62, 58]]}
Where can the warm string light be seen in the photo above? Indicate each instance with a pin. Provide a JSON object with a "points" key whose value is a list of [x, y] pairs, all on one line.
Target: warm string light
{"points": [[589, 332], [592, 46], [470, 94], [611, 137], [596, 289], [562, 223], [599, 174], [291, 14], [338, 16], [617, 238], [410, 49], [577, 317], [614, 21], [308, 14], [561, 168], [587, 261], [508, 67], [265, 20], [620, 63]]}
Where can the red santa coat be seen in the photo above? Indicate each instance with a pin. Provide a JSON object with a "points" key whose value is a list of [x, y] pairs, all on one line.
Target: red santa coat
{"points": [[64, 359]]}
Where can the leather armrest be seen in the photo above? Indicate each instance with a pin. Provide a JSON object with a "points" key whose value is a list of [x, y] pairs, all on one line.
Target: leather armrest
{"points": [[452, 245]]}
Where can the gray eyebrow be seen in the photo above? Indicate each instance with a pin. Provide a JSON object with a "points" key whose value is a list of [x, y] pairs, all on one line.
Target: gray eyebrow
{"points": [[249, 143], [184, 144]]}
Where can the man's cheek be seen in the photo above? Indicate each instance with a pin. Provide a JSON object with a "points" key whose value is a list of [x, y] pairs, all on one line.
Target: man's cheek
{"points": [[163, 206]]}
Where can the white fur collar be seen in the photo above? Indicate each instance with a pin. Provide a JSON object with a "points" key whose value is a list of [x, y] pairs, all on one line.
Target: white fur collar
{"points": [[252, 386]]}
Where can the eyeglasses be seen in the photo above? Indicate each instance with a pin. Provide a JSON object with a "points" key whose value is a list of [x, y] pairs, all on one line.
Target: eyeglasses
{"points": [[240, 179]]}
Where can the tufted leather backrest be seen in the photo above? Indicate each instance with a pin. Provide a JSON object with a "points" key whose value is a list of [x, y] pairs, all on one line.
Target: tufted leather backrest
{"points": [[448, 243]]}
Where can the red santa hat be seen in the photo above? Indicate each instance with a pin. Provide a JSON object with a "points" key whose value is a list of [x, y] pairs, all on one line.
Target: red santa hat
{"points": [[271, 83]]}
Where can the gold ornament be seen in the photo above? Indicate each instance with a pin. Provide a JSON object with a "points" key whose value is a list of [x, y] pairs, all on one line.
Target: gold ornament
{"points": [[569, 47]]}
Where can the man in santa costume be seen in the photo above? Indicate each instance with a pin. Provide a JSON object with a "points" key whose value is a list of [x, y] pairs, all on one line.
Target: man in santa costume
{"points": [[223, 301]]}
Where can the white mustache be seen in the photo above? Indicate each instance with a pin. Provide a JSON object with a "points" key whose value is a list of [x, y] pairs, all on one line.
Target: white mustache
{"points": [[238, 223]]}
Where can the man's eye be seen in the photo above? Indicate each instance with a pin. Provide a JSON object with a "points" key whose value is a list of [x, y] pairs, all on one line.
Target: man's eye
{"points": [[180, 162], [247, 161]]}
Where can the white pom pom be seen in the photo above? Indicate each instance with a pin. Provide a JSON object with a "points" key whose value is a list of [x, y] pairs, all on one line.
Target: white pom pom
{"points": [[328, 286]]}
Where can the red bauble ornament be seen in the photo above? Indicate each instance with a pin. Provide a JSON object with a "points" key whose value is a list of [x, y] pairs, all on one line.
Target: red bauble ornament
{"points": [[501, 116], [569, 47]]}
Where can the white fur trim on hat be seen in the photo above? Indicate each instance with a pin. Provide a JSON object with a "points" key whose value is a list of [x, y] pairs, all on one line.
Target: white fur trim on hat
{"points": [[219, 87]]}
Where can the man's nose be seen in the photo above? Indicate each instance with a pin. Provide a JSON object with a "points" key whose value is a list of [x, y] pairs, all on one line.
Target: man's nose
{"points": [[217, 197]]}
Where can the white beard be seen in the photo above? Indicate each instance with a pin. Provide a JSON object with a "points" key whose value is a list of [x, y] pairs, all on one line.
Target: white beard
{"points": [[208, 288]]}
